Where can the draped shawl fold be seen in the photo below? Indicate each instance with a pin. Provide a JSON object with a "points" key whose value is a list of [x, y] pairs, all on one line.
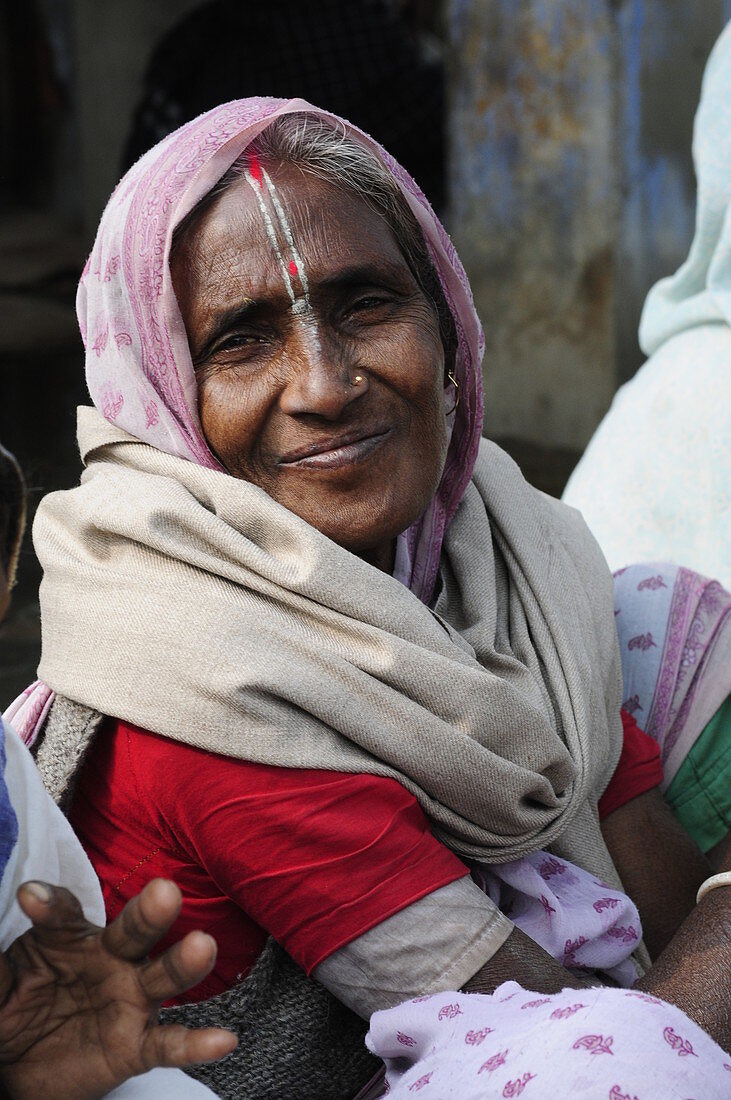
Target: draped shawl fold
{"points": [[192, 604]]}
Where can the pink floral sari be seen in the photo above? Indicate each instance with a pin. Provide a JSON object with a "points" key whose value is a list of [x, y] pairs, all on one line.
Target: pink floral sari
{"points": [[598, 1044], [674, 629]]}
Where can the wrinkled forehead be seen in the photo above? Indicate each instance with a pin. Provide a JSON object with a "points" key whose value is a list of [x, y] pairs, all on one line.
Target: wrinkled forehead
{"points": [[286, 218]]}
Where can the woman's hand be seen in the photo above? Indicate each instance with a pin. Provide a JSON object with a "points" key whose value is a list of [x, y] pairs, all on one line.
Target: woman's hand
{"points": [[79, 1004]]}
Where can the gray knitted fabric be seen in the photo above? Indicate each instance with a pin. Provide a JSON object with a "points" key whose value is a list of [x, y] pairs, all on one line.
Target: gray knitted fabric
{"points": [[296, 1041]]}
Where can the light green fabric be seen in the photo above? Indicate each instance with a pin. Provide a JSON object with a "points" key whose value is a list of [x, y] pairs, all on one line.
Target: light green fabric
{"points": [[700, 793], [699, 293]]}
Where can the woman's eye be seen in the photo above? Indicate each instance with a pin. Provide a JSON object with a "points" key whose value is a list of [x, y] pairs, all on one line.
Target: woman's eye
{"points": [[369, 303], [232, 352], [237, 340]]}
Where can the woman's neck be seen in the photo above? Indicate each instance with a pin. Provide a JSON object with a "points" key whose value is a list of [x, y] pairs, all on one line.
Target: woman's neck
{"points": [[382, 556]]}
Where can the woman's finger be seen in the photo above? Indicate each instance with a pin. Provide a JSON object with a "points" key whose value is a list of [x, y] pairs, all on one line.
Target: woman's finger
{"points": [[183, 965], [143, 920], [52, 909], [6, 980], [173, 1045]]}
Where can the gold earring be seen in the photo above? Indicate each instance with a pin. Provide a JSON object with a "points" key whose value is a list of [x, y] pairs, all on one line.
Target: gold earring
{"points": [[357, 380], [455, 383]]}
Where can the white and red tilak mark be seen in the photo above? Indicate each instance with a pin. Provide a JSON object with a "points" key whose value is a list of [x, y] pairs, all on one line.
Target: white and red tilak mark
{"points": [[256, 183], [258, 178]]}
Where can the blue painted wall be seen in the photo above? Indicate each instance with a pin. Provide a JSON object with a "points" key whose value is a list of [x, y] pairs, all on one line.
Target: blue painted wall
{"points": [[662, 49], [572, 189]]}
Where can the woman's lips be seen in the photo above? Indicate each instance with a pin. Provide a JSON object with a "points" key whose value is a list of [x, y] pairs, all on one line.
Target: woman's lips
{"points": [[335, 455]]}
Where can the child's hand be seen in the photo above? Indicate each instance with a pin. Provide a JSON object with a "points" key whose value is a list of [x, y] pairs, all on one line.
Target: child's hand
{"points": [[79, 1004]]}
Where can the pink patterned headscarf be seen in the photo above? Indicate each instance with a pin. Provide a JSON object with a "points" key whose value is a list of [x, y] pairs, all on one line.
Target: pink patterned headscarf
{"points": [[138, 365]]}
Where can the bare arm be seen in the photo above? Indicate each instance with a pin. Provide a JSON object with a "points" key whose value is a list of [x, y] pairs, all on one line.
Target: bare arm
{"points": [[720, 856], [694, 971], [661, 868], [521, 960], [660, 865]]}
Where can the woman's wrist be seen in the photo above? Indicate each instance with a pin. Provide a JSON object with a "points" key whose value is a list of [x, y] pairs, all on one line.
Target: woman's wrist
{"points": [[522, 960], [693, 971], [713, 882]]}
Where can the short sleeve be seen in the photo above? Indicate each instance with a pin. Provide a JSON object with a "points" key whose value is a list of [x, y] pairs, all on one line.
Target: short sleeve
{"points": [[436, 944], [316, 858]]}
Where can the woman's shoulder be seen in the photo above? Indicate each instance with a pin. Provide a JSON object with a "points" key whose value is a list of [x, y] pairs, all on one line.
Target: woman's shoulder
{"points": [[529, 518], [496, 472], [164, 769]]}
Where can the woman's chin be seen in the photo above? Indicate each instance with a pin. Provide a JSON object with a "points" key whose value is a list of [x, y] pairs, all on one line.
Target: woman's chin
{"points": [[363, 527]]}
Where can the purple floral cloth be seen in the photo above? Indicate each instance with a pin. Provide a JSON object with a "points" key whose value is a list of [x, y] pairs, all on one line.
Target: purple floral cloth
{"points": [[674, 629], [583, 923], [599, 1044]]}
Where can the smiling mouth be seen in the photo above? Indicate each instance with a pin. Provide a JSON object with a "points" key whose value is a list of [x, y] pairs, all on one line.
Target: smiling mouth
{"points": [[332, 455]]}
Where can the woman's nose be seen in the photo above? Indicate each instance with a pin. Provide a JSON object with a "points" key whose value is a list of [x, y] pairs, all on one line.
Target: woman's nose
{"points": [[321, 382]]}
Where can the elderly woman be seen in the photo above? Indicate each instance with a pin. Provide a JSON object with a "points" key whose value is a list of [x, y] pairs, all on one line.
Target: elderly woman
{"points": [[317, 651]]}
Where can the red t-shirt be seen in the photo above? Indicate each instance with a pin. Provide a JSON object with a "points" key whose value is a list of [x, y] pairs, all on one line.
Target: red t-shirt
{"points": [[314, 858], [639, 768]]}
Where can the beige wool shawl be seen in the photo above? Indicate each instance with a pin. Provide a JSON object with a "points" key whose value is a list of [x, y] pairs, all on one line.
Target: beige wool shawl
{"points": [[191, 604]]}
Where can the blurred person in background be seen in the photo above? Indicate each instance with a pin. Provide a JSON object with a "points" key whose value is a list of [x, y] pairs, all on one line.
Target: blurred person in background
{"points": [[655, 480], [364, 60]]}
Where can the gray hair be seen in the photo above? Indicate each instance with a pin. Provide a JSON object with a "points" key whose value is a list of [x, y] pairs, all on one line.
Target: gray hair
{"points": [[325, 149]]}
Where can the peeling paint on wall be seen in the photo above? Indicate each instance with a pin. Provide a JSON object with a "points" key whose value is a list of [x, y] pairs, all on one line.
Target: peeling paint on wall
{"points": [[571, 189], [662, 52], [533, 196]]}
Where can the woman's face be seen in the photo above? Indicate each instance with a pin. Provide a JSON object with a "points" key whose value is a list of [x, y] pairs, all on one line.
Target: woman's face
{"points": [[319, 363]]}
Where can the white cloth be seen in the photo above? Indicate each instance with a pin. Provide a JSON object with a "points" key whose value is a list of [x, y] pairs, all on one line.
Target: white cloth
{"points": [[47, 850], [161, 1084], [655, 480]]}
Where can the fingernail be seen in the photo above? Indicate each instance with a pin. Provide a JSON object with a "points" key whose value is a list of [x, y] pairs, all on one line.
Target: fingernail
{"points": [[40, 891]]}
